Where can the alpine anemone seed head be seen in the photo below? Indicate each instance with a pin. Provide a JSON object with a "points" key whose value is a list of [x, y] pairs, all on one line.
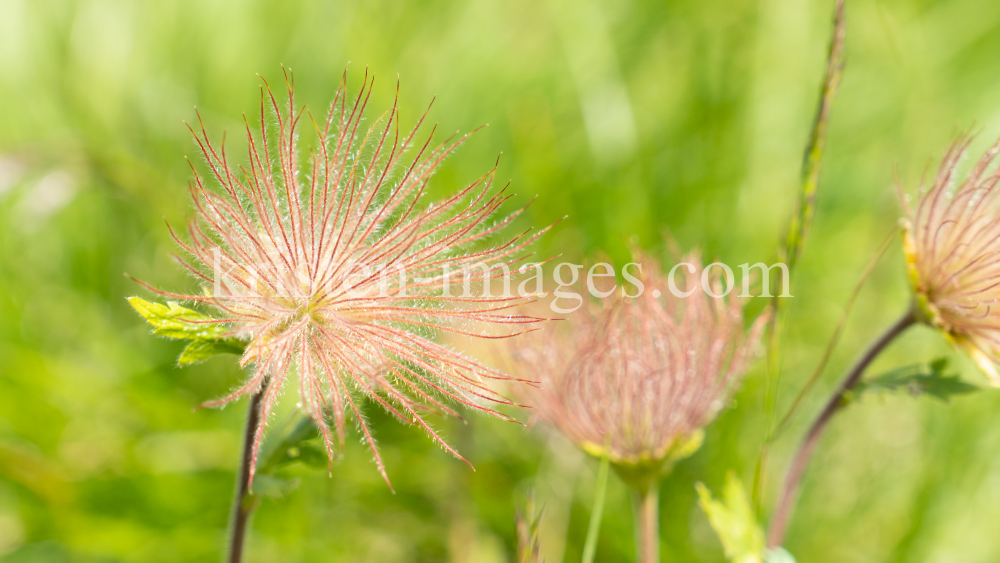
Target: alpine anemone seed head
{"points": [[951, 241], [338, 273], [639, 380]]}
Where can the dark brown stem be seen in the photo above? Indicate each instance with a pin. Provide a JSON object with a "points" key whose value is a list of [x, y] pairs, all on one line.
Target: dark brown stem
{"points": [[786, 501], [243, 504], [646, 503]]}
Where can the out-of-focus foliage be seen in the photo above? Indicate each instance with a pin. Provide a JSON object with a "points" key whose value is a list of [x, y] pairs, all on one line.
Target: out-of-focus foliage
{"points": [[734, 520], [528, 529], [630, 116], [922, 379]]}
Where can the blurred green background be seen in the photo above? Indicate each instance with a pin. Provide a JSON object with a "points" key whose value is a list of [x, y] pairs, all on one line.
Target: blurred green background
{"points": [[630, 116]]}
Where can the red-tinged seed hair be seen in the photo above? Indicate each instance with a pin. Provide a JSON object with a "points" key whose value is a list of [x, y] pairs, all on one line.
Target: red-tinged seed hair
{"points": [[641, 375], [951, 240], [336, 271]]}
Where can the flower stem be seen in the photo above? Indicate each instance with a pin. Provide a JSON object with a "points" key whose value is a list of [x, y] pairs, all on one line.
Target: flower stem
{"points": [[786, 500], [646, 503], [243, 503], [590, 546]]}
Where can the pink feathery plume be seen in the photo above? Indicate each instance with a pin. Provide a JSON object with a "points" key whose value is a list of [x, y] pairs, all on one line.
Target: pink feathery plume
{"points": [[337, 272], [641, 377], [951, 241]]}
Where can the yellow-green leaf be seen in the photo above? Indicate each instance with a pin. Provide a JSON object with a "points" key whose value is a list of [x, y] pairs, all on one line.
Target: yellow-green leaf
{"points": [[173, 321], [200, 350], [734, 521]]}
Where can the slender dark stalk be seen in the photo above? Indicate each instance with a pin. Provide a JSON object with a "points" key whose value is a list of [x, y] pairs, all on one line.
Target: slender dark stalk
{"points": [[837, 332], [646, 503], [243, 504], [786, 501]]}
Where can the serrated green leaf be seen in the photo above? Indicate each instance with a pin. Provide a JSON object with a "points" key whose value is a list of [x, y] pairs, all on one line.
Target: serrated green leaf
{"points": [[734, 521], [273, 487], [200, 350], [919, 379], [173, 321]]}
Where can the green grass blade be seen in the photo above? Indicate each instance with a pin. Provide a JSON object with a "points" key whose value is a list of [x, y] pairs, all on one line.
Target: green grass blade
{"points": [[590, 546]]}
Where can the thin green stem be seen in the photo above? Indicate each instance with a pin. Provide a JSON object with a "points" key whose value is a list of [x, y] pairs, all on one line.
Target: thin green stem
{"points": [[798, 229], [593, 530]]}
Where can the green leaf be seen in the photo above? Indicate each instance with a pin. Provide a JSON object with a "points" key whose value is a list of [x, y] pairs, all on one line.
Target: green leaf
{"points": [[307, 453], [173, 321], [919, 379], [299, 445], [273, 487], [734, 521], [200, 350]]}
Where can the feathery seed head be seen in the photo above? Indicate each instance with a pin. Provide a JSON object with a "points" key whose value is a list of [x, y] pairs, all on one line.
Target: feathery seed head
{"points": [[951, 242], [640, 379], [336, 271]]}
